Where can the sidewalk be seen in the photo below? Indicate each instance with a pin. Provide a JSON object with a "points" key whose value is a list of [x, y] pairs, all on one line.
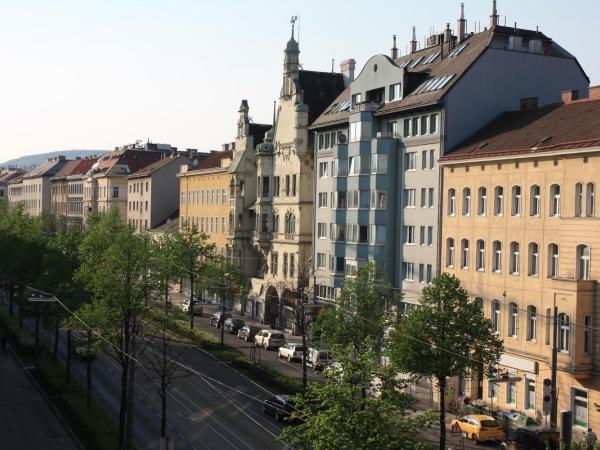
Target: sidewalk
{"points": [[27, 420]]}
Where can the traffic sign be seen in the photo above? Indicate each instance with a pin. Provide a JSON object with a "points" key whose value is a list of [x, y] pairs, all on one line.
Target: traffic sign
{"points": [[455, 428]]}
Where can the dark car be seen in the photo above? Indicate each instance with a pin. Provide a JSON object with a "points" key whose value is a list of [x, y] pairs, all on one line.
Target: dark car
{"points": [[233, 325], [217, 318], [532, 439], [247, 332], [278, 406]]}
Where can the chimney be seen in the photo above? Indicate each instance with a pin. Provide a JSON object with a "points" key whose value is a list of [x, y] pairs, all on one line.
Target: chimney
{"points": [[570, 96], [347, 68], [494, 16], [462, 24], [413, 43], [394, 49], [225, 147], [529, 104], [447, 33]]}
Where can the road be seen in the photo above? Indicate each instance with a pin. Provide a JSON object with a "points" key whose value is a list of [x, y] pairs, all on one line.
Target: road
{"points": [[212, 407]]}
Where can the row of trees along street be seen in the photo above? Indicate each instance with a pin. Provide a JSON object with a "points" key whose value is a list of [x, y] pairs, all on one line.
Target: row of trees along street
{"points": [[104, 279]]}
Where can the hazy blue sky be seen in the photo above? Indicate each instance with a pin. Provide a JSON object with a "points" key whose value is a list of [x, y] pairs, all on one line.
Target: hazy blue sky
{"points": [[96, 74]]}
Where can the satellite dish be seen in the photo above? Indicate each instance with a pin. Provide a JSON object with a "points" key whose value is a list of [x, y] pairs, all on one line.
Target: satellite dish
{"points": [[195, 162]]}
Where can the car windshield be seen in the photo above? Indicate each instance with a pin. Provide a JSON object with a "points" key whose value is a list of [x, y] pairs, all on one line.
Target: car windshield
{"points": [[277, 336], [489, 423]]}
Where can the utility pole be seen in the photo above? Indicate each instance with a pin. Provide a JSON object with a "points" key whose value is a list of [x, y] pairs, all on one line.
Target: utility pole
{"points": [[88, 363], [554, 407], [191, 309]]}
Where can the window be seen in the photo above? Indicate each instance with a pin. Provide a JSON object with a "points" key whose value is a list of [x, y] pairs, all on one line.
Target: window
{"points": [[492, 389], [432, 123], [451, 201], [498, 201], [495, 316], [406, 128], [351, 268], [409, 198], [378, 199], [529, 394], [534, 260], [514, 258], [431, 159], [395, 92], [294, 184], [590, 200], [564, 332], [531, 323], [422, 235], [548, 325], [392, 128], [275, 222], [482, 202], [480, 264], [464, 254], [423, 197], [587, 335], [423, 125], [321, 230], [583, 262], [356, 98], [410, 161], [354, 165], [146, 205], [553, 260], [555, 200], [513, 320], [497, 256], [355, 131], [450, 252], [408, 269], [515, 209], [535, 204], [430, 235], [322, 199], [415, 126], [378, 234], [429, 273], [579, 402], [409, 234], [424, 160], [511, 392], [115, 192], [379, 164], [323, 169], [466, 202], [353, 199], [579, 200], [421, 273], [430, 199], [274, 258], [321, 260], [290, 223]]}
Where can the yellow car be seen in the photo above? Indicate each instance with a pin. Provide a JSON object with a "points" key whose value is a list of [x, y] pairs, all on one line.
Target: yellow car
{"points": [[479, 428]]}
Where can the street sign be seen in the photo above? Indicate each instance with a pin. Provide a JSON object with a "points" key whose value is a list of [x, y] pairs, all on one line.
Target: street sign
{"points": [[547, 396], [455, 428]]}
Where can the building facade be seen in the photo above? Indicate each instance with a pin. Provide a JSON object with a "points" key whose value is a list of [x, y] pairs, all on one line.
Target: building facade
{"points": [[519, 231], [378, 143], [153, 192], [6, 175]]}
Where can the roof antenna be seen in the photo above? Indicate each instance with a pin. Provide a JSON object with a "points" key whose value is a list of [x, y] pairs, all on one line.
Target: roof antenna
{"points": [[394, 49], [333, 63]]}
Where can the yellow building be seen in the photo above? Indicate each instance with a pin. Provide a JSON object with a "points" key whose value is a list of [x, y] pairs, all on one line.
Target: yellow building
{"points": [[203, 197], [520, 230]]}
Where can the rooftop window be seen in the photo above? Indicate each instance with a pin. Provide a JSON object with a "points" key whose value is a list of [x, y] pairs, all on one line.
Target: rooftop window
{"points": [[431, 58], [434, 84], [454, 53]]}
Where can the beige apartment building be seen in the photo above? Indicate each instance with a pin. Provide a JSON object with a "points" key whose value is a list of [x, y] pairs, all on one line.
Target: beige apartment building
{"points": [[74, 197], [6, 175], [203, 197], [153, 193], [520, 230]]}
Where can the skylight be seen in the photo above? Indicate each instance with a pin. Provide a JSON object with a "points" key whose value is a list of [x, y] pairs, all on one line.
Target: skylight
{"points": [[434, 84], [344, 105], [431, 58], [417, 61], [405, 63], [457, 50]]}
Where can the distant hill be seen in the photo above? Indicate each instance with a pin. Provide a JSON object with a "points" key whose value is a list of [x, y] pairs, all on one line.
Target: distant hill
{"points": [[30, 161]]}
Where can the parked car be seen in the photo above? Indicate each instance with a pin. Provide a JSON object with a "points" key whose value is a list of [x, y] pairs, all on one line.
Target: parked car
{"points": [[232, 325], [247, 332], [318, 359], [185, 307], [291, 351], [480, 428], [217, 319], [515, 419], [269, 338], [278, 406], [532, 439]]}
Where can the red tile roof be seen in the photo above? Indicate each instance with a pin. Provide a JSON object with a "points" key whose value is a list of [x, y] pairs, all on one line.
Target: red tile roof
{"points": [[214, 161], [559, 126]]}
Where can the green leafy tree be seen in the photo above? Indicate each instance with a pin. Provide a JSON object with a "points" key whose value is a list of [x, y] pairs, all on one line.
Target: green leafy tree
{"points": [[336, 415], [114, 267], [446, 336]]}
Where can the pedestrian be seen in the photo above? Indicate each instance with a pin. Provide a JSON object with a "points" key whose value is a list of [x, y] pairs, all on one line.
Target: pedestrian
{"points": [[590, 439], [3, 343]]}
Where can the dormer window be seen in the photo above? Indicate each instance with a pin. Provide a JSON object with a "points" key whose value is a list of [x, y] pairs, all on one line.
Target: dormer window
{"points": [[356, 98], [395, 92]]}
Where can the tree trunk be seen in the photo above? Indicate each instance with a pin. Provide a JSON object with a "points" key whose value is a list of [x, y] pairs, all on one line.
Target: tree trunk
{"points": [[130, 404], [56, 336], [88, 374], [442, 385], [123, 408], [191, 301], [68, 372], [11, 301], [163, 417]]}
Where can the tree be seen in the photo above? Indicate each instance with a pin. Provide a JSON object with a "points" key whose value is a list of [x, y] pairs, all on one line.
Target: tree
{"points": [[336, 415], [446, 336], [114, 267]]}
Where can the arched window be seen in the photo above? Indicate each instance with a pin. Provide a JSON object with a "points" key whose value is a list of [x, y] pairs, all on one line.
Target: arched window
{"points": [[450, 252], [531, 323], [482, 201], [451, 201], [513, 320], [579, 200], [515, 209], [553, 260], [466, 202], [498, 201], [564, 332], [535, 201], [480, 255], [290, 223], [464, 254], [495, 316], [275, 223], [515, 258], [534, 260], [555, 200], [590, 200], [583, 262], [497, 256]]}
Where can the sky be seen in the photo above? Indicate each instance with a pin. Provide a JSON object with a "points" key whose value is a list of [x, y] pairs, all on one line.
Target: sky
{"points": [[91, 74]]}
